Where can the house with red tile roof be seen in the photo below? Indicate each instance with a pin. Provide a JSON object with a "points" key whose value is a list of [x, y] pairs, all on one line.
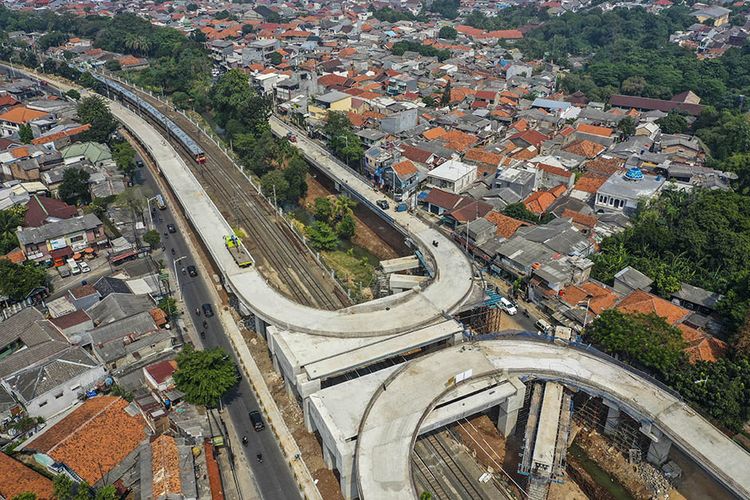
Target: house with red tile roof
{"points": [[12, 119], [41, 210], [506, 226], [95, 438], [642, 302], [17, 478]]}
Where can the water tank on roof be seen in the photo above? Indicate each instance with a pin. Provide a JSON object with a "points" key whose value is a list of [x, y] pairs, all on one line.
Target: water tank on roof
{"points": [[634, 174]]}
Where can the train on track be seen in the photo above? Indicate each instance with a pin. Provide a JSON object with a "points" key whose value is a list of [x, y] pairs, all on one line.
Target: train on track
{"points": [[157, 116]]}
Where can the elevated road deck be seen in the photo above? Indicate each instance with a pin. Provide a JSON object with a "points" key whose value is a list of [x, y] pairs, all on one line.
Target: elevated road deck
{"points": [[393, 417]]}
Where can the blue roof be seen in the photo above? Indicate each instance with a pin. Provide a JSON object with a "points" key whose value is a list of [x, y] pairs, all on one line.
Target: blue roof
{"points": [[422, 195], [634, 174], [550, 104]]}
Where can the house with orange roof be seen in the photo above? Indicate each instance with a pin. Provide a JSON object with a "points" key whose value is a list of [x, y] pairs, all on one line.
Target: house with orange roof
{"points": [[702, 346], [584, 148], [95, 438], [129, 62], [594, 295], [458, 141], [549, 176], [639, 301], [506, 226], [539, 201], [400, 179], [483, 158], [17, 478], [12, 119]]}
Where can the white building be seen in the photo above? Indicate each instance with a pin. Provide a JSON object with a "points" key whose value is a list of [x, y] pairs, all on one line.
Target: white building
{"points": [[453, 175], [622, 193]]}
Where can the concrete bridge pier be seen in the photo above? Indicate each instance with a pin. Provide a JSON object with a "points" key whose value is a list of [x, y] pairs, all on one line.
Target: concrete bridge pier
{"points": [[508, 415], [613, 417], [658, 450], [260, 327]]}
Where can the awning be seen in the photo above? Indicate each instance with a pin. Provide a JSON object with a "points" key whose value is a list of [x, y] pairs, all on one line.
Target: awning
{"points": [[61, 253], [77, 256], [122, 256], [89, 250]]}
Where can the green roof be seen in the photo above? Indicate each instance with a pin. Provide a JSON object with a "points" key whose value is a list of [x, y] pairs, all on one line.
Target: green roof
{"points": [[92, 151]]}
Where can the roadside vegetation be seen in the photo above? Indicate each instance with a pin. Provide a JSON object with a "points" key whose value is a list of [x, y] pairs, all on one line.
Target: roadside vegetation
{"points": [[205, 376], [721, 390]]}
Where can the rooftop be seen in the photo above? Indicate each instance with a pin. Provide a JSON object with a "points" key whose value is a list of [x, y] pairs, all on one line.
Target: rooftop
{"points": [[452, 170], [94, 438], [17, 478]]}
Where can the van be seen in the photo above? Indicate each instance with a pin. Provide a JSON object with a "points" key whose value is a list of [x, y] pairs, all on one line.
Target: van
{"points": [[543, 326], [508, 306], [74, 269]]}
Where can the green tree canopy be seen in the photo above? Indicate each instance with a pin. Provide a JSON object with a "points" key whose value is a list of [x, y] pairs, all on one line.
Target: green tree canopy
{"points": [[25, 134], [275, 58], [275, 182], [73, 94], [342, 140], [74, 188], [673, 123], [322, 236], [94, 110], [124, 156], [152, 237], [448, 32], [627, 126], [10, 219], [204, 376], [25, 496], [18, 280], [233, 98]]}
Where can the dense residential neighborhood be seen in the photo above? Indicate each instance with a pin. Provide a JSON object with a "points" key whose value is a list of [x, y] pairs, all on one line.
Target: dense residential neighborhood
{"points": [[590, 160]]}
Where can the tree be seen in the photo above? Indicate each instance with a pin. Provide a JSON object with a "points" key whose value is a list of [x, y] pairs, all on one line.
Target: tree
{"points": [[342, 140], [520, 212], [108, 492], [275, 58], [192, 7], [17, 281], [322, 236], [169, 306], [296, 176], [627, 126], [274, 182], [673, 123], [247, 29], [448, 33], [233, 98], [152, 237], [73, 94], [645, 340], [346, 227], [445, 99], [25, 496], [446, 8], [94, 110], [429, 101], [26, 134], [113, 65], [204, 376], [63, 487], [10, 219], [74, 188], [83, 491], [124, 156]]}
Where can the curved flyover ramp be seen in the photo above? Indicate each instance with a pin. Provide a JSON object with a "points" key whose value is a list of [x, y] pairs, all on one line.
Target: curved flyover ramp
{"points": [[390, 424], [394, 314]]}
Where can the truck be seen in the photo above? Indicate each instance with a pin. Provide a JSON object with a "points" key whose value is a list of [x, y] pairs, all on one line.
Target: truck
{"points": [[238, 251]]}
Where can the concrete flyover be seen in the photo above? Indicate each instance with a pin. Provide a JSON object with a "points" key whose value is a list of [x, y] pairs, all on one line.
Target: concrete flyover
{"points": [[403, 402], [394, 314]]}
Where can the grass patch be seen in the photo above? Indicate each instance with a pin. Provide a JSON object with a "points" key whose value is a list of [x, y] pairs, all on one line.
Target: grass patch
{"points": [[355, 268]]}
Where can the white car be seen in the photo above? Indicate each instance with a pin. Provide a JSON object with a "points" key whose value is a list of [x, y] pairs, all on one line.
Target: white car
{"points": [[84, 267], [508, 306]]}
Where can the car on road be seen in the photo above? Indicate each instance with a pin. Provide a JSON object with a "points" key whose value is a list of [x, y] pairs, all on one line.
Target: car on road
{"points": [[84, 267], [383, 204], [257, 420], [192, 271], [208, 310], [508, 306], [171, 228], [291, 137], [64, 271]]}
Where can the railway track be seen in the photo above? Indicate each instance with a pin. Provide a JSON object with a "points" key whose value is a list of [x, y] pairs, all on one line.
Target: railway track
{"points": [[463, 483], [427, 478], [279, 253]]}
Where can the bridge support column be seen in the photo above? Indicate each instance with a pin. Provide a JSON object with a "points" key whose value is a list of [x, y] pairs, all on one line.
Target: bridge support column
{"points": [[613, 417], [506, 420], [260, 327], [658, 450]]}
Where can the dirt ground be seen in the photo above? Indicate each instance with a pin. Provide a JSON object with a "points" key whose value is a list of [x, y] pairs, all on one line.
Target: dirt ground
{"points": [[312, 454], [614, 463], [364, 236]]}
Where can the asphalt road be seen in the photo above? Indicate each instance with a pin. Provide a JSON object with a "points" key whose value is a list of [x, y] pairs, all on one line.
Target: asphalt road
{"points": [[273, 476]]}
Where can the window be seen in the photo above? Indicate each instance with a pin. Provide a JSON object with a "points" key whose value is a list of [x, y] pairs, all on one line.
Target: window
{"points": [[43, 403], [58, 395], [76, 238], [75, 387]]}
